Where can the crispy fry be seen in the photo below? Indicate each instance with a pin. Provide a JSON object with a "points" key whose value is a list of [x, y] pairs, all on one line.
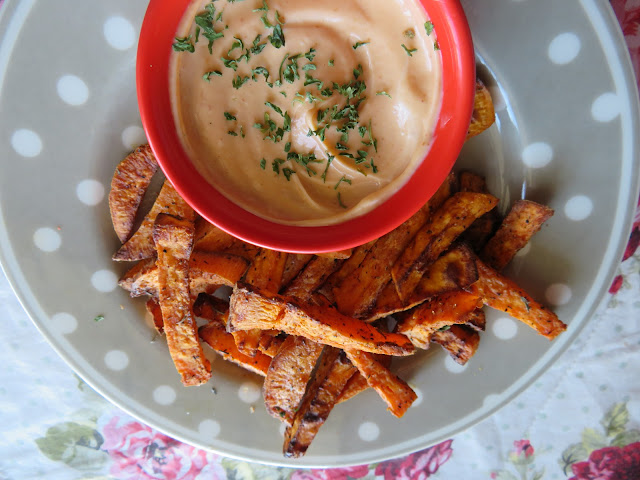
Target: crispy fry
{"points": [[357, 383], [140, 245], [442, 311], [211, 308], [174, 240], [453, 270], [356, 258], [265, 272], [392, 389], [311, 277], [332, 373], [288, 375], [207, 270], [128, 186], [270, 344], [457, 213], [209, 238], [153, 307], [522, 222], [482, 228], [217, 337], [357, 292], [477, 320], [461, 341], [503, 294], [483, 112], [293, 265], [254, 308]]}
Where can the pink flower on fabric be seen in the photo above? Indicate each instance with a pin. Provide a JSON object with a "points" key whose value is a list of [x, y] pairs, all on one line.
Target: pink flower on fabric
{"points": [[140, 453], [523, 447], [628, 13], [616, 284], [610, 463], [417, 466], [360, 471]]}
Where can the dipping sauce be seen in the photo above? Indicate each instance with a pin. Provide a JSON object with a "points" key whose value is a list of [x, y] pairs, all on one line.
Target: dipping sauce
{"points": [[306, 112]]}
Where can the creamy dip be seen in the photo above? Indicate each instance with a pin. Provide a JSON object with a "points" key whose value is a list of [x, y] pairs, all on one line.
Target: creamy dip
{"points": [[313, 154]]}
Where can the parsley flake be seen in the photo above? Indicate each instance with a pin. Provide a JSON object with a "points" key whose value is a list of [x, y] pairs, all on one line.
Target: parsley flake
{"points": [[359, 44], [428, 26], [410, 51]]}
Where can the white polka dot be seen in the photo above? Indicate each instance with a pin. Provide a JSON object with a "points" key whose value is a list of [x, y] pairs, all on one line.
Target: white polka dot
{"points": [[369, 431], [64, 323], [90, 192], [283, 429], [578, 207], [524, 250], [537, 155], [249, 392], [133, 136], [491, 400], [73, 90], [209, 428], [558, 294], [104, 281], [26, 143], [505, 328], [606, 107], [47, 239], [564, 48], [116, 360], [119, 33], [419, 398], [164, 395], [453, 366]]}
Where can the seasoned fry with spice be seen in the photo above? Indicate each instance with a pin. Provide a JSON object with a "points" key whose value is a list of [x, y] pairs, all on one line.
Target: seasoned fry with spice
{"points": [[484, 114], [252, 308], [174, 240], [128, 186], [461, 341], [457, 213]]}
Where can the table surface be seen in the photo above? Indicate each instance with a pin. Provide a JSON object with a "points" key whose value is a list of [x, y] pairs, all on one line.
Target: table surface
{"points": [[581, 419]]}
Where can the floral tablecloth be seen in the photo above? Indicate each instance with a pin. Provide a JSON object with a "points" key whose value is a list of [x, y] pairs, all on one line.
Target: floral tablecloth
{"points": [[580, 420]]}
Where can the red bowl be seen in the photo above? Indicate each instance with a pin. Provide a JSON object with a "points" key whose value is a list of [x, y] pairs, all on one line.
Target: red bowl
{"points": [[458, 79]]}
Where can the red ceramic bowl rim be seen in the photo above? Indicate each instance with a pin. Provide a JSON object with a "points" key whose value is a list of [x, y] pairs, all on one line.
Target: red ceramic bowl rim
{"points": [[458, 78]]}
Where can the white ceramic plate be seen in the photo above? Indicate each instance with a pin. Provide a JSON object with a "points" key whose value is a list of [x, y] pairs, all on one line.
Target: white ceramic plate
{"points": [[566, 136]]}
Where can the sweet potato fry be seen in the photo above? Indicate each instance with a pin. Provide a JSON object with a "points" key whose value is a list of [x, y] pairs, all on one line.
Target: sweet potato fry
{"points": [[477, 320], [445, 310], [288, 375], [211, 308], [332, 373], [207, 270], [357, 292], [173, 238], [357, 383], [503, 294], [453, 270], [522, 222], [140, 245], [254, 308], [346, 269], [457, 213], [339, 255], [311, 277], [270, 344], [392, 389], [484, 114], [293, 265], [209, 238], [141, 279], [153, 307], [265, 272], [461, 341], [217, 337], [483, 227], [128, 186]]}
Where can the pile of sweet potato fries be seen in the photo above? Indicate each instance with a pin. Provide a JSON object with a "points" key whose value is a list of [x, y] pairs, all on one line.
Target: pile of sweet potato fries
{"points": [[313, 325]]}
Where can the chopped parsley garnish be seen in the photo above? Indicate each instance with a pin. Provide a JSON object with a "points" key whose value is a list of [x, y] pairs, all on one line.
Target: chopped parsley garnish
{"points": [[340, 201], [263, 163], [98, 318], [239, 81], [428, 26], [213, 73], [409, 51], [409, 33], [183, 44], [330, 63], [342, 179], [384, 93], [229, 117], [436, 45], [359, 44], [330, 159]]}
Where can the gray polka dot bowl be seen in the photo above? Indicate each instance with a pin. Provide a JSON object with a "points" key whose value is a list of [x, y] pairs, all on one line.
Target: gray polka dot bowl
{"points": [[566, 136]]}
